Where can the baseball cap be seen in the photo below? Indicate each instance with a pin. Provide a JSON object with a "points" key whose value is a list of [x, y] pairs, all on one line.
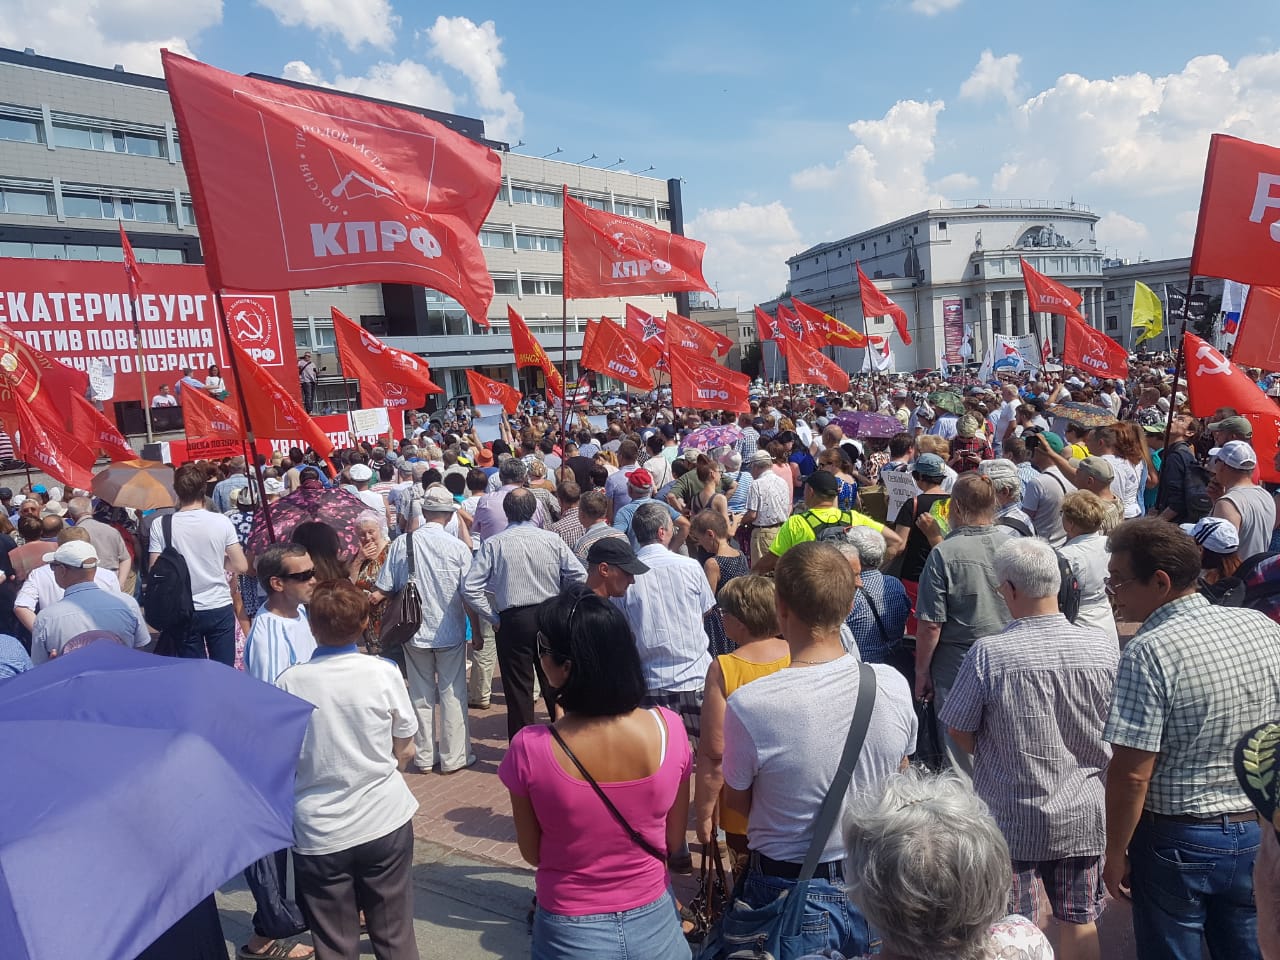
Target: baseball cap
{"points": [[5, 493], [616, 552], [1095, 468], [929, 465], [998, 469], [1214, 534], [1237, 455], [1237, 424], [760, 457], [74, 553], [274, 486], [54, 508], [640, 478], [1055, 442], [967, 426], [438, 499], [824, 483], [359, 472], [39, 488]]}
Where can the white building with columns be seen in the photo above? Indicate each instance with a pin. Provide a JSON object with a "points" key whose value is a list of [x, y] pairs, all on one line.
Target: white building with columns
{"points": [[954, 266]]}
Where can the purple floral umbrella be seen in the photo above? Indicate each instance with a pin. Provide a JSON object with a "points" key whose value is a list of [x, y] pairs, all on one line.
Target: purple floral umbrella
{"points": [[710, 437], [862, 423], [312, 501]]}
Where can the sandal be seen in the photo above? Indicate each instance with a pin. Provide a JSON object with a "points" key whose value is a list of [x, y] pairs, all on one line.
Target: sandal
{"points": [[276, 950]]}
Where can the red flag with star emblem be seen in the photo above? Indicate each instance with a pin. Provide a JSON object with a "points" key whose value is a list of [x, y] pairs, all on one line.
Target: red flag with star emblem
{"points": [[691, 335], [768, 328], [615, 353], [836, 333], [388, 377], [302, 188], [529, 352], [876, 304], [647, 328]]}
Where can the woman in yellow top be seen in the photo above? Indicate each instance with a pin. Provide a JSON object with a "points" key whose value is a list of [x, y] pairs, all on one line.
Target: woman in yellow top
{"points": [[750, 620]]}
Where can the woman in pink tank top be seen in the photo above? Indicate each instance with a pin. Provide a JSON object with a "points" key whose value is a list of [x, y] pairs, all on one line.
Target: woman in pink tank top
{"points": [[602, 882]]}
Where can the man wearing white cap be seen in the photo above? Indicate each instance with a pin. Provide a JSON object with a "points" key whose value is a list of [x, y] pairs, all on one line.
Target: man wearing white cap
{"points": [[1245, 505], [84, 608]]}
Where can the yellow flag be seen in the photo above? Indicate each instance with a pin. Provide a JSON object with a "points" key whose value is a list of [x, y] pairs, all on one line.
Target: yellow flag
{"points": [[1148, 312]]}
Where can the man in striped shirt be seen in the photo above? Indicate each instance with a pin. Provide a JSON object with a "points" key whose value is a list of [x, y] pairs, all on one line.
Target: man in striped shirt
{"points": [[1029, 703]]}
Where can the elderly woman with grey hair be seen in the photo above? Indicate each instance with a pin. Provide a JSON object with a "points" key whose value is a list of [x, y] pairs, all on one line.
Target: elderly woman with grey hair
{"points": [[880, 605], [927, 866], [1003, 475]]}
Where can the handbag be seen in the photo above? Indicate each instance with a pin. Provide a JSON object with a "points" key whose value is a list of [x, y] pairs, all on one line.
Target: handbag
{"points": [[403, 616], [634, 834], [772, 932], [712, 899]]}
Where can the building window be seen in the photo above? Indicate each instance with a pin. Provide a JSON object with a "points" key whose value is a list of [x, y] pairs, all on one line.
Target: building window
{"points": [[89, 206], [541, 287], [538, 241], [146, 211], [538, 198], [942, 226], [888, 238], [505, 286], [33, 202], [1111, 294], [23, 129], [977, 269], [968, 303], [495, 238], [1112, 323], [915, 231], [664, 214], [112, 141], [188, 215], [1199, 286], [638, 211]]}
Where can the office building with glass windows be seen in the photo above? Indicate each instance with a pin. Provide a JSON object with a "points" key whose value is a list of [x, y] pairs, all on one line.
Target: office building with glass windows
{"points": [[83, 146]]}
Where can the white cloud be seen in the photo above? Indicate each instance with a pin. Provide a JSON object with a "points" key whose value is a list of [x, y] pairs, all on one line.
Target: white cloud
{"points": [[357, 22], [475, 51], [106, 32], [1115, 230], [883, 177], [993, 76], [931, 8], [407, 82], [956, 186], [747, 248]]}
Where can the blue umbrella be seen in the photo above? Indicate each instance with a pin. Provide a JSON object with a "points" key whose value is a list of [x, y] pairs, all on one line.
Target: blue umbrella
{"points": [[135, 785]]}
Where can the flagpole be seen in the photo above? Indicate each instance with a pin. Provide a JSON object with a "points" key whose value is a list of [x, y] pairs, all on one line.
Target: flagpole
{"points": [[142, 368], [246, 433], [564, 366], [1179, 368], [346, 386]]}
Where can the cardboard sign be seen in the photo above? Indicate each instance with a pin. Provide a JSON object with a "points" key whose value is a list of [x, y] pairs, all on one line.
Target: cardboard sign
{"points": [[899, 487]]}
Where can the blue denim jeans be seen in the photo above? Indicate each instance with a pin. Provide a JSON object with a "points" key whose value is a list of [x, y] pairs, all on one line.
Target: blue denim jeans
{"points": [[1194, 879], [830, 922], [211, 635], [650, 932]]}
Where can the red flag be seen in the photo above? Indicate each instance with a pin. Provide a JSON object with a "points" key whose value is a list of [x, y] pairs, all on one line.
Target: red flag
{"points": [[52, 449], [768, 328], [38, 380], [1213, 381], [1258, 340], [301, 188], [807, 365], [836, 333], [617, 354], [88, 423], [607, 255], [1046, 350], [388, 377], [1092, 351], [1046, 295], [699, 382], [647, 328], [529, 352], [273, 413], [1238, 231], [876, 304], [131, 272], [691, 335], [205, 418], [485, 391]]}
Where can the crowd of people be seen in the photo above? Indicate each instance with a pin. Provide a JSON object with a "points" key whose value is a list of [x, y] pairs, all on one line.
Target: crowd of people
{"points": [[1069, 620]]}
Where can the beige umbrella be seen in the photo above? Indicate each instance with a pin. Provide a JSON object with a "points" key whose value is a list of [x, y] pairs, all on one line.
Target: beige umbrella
{"points": [[141, 484]]}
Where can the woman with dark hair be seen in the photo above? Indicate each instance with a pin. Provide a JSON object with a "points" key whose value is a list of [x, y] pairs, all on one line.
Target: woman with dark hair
{"points": [[602, 883], [322, 542]]}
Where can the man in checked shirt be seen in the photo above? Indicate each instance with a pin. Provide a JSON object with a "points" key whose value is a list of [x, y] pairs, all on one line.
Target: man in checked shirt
{"points": [[1182, 836]]}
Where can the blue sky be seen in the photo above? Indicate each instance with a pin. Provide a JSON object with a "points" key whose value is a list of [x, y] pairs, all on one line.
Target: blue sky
{"points": [[791, 124]]}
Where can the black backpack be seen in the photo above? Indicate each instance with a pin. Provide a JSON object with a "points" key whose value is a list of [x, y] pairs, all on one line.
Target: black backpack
{"points": [[1069, 590], [167, 600], [828, 531]]}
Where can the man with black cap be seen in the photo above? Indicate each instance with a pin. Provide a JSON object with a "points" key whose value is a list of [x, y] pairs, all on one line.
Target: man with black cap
{"points": [[612, 567], [822, 519]]}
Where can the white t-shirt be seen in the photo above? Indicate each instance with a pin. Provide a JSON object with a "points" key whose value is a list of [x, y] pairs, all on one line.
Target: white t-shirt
{"points": [[783, 737], [347, 790], [276, 643], [203, 538], [40, 591], [1007, 413]]}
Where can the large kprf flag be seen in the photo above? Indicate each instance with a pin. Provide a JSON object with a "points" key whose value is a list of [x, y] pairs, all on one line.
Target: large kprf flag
{"points": [[486, 391], [1092, 351], [529, 352], [1238, 231], [388, 377], [1046, 295], [301, 188], [692, 335], [807, 365], [1148, 312], [698, 381], [208, 419], [608, 255], [615, 353]]}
